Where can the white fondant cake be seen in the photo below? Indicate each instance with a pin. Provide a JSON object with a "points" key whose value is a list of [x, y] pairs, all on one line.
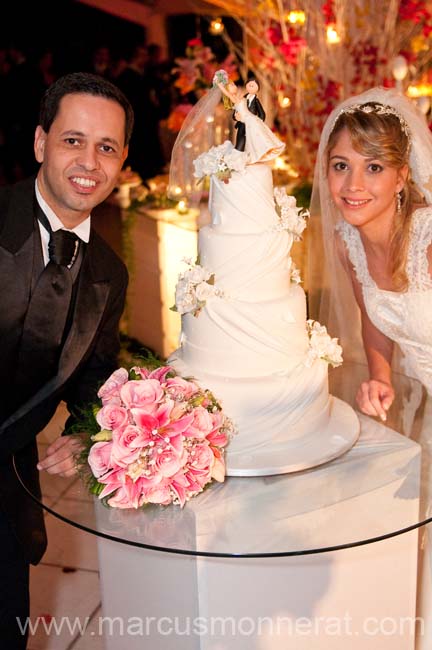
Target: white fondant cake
{"points": [[249, 342]]}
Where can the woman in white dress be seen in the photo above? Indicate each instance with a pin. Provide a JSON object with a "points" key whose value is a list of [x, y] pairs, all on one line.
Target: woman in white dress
{"points": [[372, 221], [372, 194]]}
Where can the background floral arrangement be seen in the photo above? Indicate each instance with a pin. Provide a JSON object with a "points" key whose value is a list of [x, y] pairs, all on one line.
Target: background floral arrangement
{"points": [[310, 55], [193, 75], [156, 438]]}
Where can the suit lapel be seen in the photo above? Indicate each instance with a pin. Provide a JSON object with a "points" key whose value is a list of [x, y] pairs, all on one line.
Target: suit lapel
{"points": [[92, 296], [91, 300]]}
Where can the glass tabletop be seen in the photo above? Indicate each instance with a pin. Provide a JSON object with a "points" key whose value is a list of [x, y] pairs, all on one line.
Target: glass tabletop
{"points": [[378, 489]]}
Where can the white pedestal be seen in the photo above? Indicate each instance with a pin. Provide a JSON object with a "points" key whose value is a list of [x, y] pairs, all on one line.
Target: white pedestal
{"points": [[360, 598]]}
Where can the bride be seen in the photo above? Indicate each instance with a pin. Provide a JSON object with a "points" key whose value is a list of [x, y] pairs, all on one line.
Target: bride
{"points": [[372, 193], [371, 254]]}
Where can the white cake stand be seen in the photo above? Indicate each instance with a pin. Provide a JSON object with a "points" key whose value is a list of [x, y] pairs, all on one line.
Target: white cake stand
{"points": [[324, 445]]}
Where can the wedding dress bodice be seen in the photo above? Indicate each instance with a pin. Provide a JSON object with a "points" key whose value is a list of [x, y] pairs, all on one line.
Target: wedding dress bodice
{"points": [[261, 143], [405, 317]]}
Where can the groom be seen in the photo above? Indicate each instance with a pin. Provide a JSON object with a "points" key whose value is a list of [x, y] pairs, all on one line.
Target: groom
{"points": [[62, 293], [255, 107]]}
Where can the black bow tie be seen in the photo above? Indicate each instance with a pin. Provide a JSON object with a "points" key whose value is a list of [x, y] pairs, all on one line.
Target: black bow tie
{"points": [[63, 247]]}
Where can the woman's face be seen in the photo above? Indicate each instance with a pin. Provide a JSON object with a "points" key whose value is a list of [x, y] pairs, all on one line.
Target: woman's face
{"points": [[364, 189], [232, 88]]}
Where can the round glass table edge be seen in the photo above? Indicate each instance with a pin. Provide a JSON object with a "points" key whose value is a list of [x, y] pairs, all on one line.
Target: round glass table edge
{"points": [[343, 384], [216, 554]]}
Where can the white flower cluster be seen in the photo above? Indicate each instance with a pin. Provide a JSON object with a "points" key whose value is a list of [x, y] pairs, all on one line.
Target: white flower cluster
{"points": [[291, 218], [295, 276], [194, 287], [322, 346], [220, 161]]}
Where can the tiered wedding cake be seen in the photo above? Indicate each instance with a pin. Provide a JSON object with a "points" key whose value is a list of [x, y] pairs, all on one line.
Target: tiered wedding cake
{"points": [[245, 335]]}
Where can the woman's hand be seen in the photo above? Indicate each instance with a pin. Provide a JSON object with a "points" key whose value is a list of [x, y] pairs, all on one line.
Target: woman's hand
{"points": [[375, 397]]}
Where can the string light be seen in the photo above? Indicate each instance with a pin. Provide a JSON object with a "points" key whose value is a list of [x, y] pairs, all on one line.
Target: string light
{"points": [[216, 26], [332, 35], [420, 90], [182, 207], [294, 17], [284, 101]]}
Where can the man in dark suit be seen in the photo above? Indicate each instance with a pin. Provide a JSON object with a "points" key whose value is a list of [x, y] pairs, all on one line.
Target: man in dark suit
{"points": [[59, 337], [255, 107]]}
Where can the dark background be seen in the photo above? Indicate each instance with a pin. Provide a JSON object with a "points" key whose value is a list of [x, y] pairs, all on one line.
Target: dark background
{"points": [[77, 29]]}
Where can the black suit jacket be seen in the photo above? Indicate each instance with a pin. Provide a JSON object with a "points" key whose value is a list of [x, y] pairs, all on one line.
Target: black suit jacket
{"points": [[88, 356], [256, 108]]}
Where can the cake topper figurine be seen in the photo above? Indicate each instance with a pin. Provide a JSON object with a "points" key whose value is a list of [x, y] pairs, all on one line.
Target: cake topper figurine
{"points": [[254, 106]]}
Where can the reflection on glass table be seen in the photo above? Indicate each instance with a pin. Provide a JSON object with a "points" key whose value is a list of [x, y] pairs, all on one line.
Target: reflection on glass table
{"points": [[367, 494]]}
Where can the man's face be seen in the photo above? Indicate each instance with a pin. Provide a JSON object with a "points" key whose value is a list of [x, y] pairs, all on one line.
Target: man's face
{"points": [[81, 155], [252, 87]]}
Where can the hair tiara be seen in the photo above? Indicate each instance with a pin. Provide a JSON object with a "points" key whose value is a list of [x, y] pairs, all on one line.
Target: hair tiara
{"points": [[378, 109]]}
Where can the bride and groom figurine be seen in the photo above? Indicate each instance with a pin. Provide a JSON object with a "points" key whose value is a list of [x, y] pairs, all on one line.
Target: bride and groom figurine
{"points": [[254, 106]]}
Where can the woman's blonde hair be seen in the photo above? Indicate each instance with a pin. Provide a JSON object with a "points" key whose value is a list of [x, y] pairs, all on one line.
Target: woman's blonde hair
{"points": [[376, 133]]}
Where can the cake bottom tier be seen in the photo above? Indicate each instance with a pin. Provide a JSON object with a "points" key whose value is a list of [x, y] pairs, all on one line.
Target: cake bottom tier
{"points": [[284, 423]]}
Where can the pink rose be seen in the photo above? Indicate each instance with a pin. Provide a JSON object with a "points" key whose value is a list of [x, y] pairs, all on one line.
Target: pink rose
{"points": [[166, 461], [177, 387], [112, 416], [124, 451], [99, 458], [201, 457], [160, 494], [201, 425], [145, 393], [110, 391]]}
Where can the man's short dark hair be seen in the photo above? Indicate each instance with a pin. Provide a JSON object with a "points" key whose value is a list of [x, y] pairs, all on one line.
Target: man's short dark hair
{"points": [[84, 83], [252, 78]]}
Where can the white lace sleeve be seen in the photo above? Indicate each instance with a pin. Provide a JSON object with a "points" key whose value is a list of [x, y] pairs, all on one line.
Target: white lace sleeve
{"points": [[420, 240], [356, 253]]}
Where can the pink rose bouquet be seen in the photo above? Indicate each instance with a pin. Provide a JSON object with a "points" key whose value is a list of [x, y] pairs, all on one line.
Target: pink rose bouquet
{"points": [[159, 439]]}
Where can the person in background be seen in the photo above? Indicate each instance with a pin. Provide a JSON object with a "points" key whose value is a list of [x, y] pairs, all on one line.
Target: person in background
{"points": [[145, 153], [62, 291]]}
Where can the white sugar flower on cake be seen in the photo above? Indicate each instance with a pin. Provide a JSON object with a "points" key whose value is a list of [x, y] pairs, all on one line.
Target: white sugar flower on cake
{"points": [[295, 276], [322, 346], [194, 287], [291, 218], [220, 161]]}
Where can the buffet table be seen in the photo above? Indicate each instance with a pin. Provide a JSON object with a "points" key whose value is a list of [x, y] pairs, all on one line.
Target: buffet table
{"points": [[323, 559]]}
